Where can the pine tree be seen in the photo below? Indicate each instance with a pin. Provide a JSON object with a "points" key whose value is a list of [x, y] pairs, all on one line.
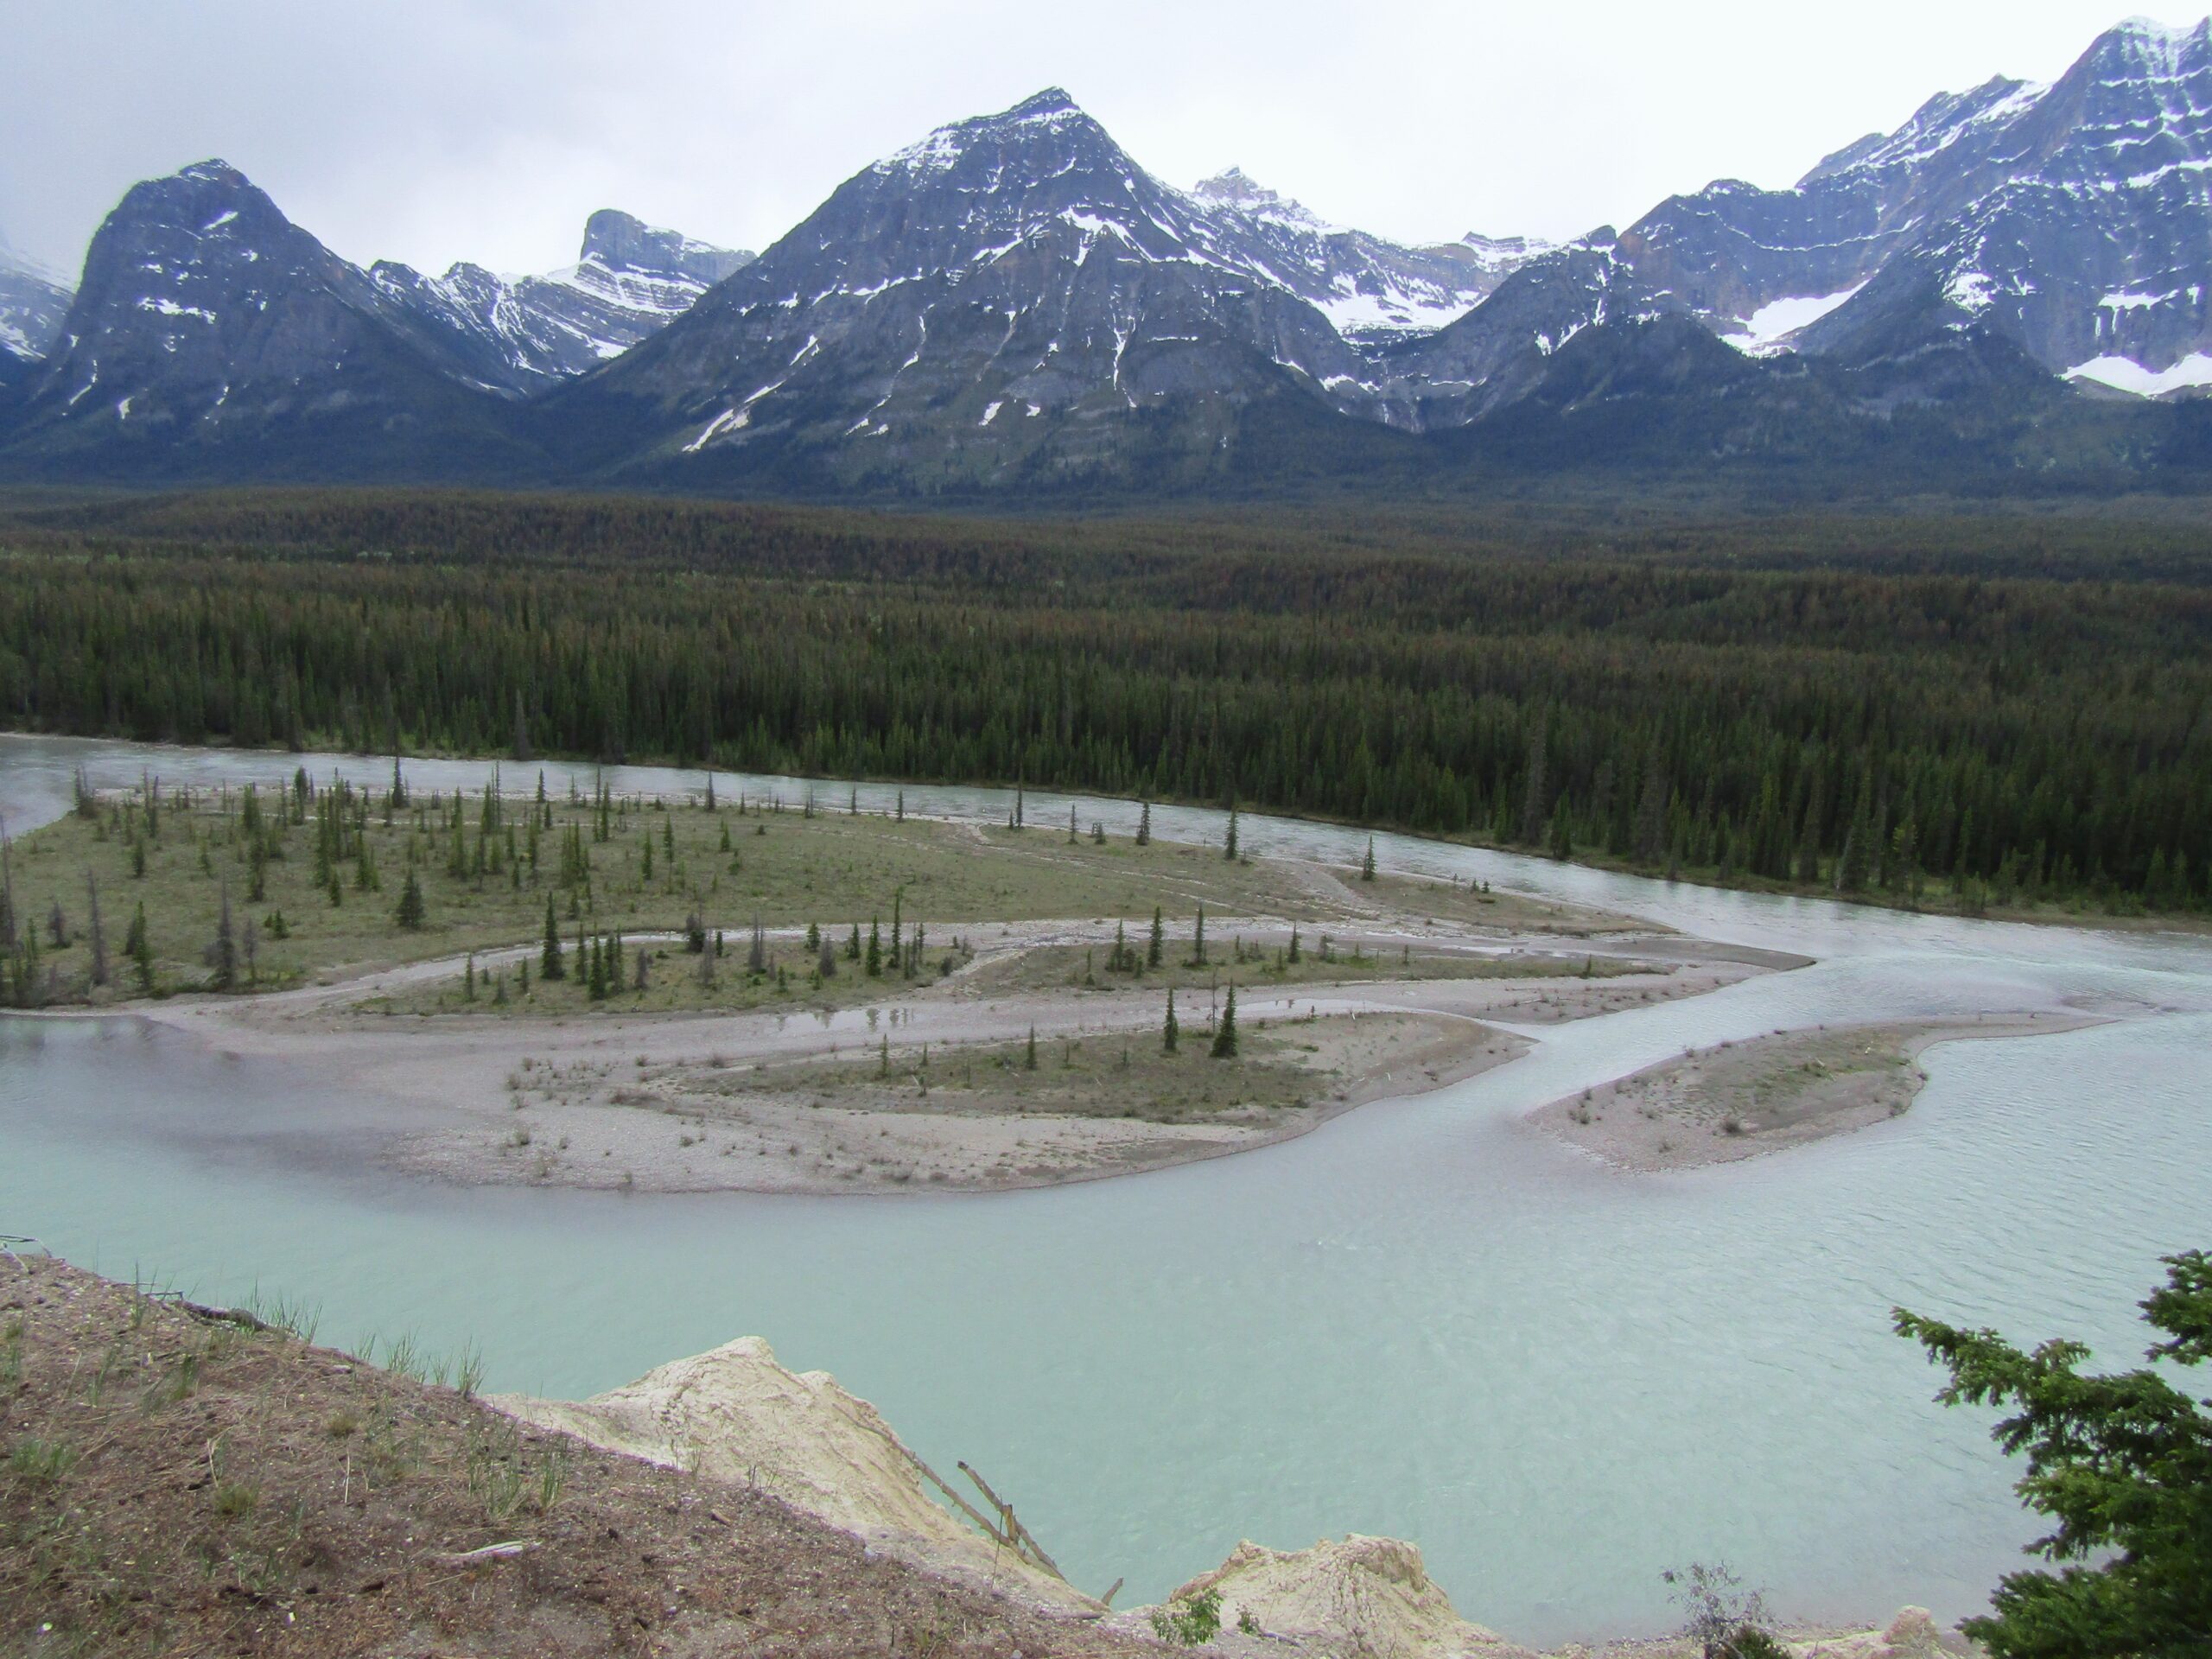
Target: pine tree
{"points": [[853, 945], [95, 933], [1851, 865], [223, 954], [550, 967], [468, 979], [1155, 949], [1170, 1032], [1029, 1055], [1144, 823], [138, 947], [1535, 788], [1229, 841], [1199, 939], [410, 903], [1224, 1034], [1294, 952], [1367, 864], [875, 950]]}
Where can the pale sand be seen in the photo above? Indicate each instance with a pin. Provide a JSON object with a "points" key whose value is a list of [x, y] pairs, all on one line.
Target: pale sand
{"points": [[453, 1081], [1740, 1100], [611, 1125]]}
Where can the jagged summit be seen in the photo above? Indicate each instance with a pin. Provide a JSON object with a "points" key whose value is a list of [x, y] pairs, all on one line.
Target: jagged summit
{"points": [[1015, 298], [1053, 101], [33, 302], [621, 242], [630, 280]]}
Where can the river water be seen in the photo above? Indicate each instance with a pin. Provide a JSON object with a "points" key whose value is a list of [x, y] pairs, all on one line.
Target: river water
{"points": [[1421, 1320]]}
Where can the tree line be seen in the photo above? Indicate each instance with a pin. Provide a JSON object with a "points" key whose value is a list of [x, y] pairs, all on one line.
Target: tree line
{"points": [[1996, 740]]}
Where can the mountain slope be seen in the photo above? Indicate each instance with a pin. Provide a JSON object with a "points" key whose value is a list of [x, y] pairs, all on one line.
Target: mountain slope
{"points": [[1368, 287], [525, 333], [2095, 249], [2074, 220], [32, 306], [210, 332], [998, 299]]}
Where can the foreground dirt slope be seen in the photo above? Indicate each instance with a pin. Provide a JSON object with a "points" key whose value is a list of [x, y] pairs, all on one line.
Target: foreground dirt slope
{"points": [[174, 1483]]}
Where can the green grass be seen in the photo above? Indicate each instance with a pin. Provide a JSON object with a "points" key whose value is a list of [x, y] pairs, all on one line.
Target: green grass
{"points": [[1096, 1076], [787, 868], [1257, 968]]}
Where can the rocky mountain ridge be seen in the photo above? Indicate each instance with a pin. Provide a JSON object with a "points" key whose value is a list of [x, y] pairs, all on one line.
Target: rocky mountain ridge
{"points": [[1014, 300]]}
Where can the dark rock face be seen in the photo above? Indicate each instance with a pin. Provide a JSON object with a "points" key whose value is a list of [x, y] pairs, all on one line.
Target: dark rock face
{"points": [[1003, 295], [630, 281], [2072, 219], [1013, 302], [2092, 240], [206, 321], [1370, 289]]}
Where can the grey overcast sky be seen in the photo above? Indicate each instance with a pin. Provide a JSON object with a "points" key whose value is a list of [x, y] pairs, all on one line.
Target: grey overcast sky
{"points": [[431, 131]]}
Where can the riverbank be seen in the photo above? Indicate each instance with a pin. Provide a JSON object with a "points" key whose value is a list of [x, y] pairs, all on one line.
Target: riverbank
{"points": [[1093, 1107], [184, 1479], [927, 1087], [1742, 1100], [179, 1484]]}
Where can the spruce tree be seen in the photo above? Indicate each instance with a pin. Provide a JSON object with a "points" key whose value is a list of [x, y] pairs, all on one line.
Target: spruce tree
{"points": [[95, 933], [549, 965], [1155, 949], [1224, 1034], [1199, 939], [875, 950], [1367, 864], [410, 903], [139, 948], [1029, 1055], [1144, 823], [1170, 1032], [223, 954]]}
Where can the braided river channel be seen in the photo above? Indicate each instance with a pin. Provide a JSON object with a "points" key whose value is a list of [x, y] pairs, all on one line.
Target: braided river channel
{"points": [[1422, 1319]]}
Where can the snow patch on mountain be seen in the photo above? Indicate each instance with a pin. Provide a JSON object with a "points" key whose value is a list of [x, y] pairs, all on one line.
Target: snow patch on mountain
{"points": [[1768, 329], [2125, 374]]}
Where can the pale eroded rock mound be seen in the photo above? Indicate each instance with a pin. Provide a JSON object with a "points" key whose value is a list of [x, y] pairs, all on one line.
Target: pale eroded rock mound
{"points": [[1363, 1596], [733, 1413]]}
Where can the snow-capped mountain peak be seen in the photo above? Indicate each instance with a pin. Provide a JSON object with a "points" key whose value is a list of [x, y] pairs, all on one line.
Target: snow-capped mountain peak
{"points": [[33, 302], [630, 280], [1237, 189]]}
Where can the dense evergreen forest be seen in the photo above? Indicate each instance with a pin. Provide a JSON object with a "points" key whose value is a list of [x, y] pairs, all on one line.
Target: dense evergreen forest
{"points": [[1956, 708]]}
